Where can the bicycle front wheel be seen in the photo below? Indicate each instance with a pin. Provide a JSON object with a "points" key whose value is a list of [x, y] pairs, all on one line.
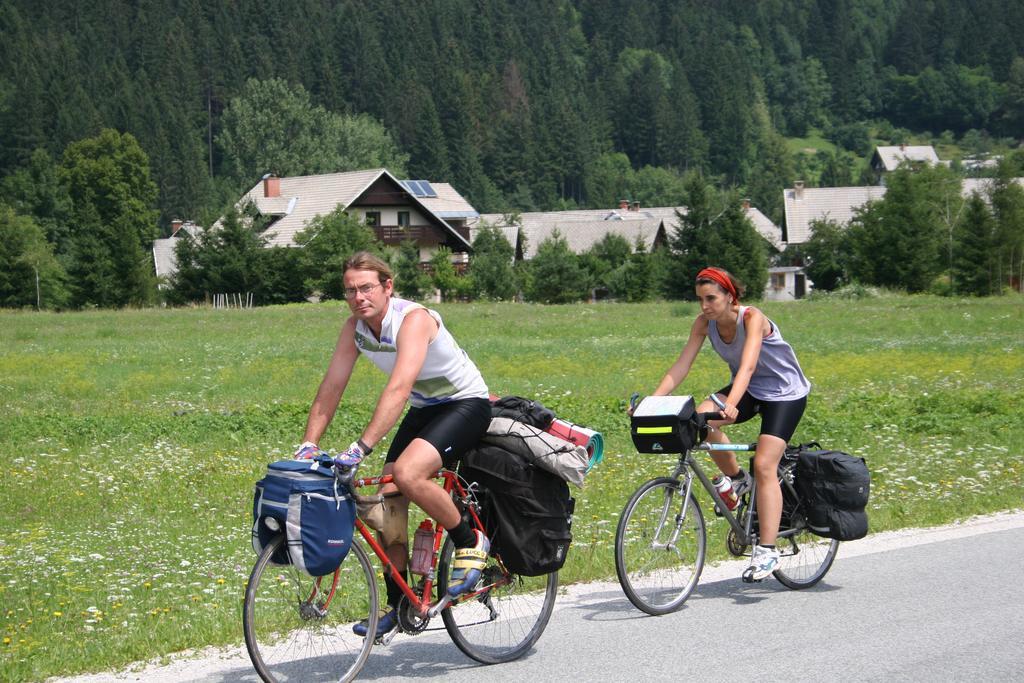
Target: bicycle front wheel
{"points": [[659, 546], [299, 627], [804, 558], [505, 614]]}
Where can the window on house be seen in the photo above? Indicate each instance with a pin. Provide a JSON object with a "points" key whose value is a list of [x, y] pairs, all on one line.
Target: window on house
{"points": [[403, 219], [778, 281], [373, 218]]}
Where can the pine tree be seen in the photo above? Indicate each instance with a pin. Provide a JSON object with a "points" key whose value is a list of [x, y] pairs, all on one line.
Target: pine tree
{"points": [[715, 232], [897, 241], [491, 265], [30, 274], [327, 242], [973, 262], [555, 273], [633, 280], [825, 257], [410, 280], [1007, 197], [113, 218], [444, 277]]}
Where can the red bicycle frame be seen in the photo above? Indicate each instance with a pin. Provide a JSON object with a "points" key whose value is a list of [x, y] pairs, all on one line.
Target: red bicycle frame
{"points": [[419, 605]]}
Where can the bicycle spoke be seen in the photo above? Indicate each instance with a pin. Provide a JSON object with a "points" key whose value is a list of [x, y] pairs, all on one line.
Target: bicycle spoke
{"points": [[298, 629], [505, 619], [656, 572]]}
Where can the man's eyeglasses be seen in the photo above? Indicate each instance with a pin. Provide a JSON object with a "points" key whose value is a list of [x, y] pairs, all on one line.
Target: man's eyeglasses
{"points": [[350, 292]]}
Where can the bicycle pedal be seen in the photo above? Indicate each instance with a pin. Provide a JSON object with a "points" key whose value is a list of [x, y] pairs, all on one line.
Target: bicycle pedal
{"points": [[387, 637], [748, 576]]}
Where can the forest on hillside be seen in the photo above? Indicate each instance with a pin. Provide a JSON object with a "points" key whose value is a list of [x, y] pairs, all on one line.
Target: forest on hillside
{"points": [[525, 104], [117, 116]]}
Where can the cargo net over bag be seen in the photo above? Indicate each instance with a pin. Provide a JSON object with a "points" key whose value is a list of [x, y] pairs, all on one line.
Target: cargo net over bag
{"points": [[533, 413], [527, 511]]}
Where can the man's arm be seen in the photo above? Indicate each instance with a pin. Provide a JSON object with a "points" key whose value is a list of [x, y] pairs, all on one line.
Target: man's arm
{"points": [[415, 335], [332, 387]]}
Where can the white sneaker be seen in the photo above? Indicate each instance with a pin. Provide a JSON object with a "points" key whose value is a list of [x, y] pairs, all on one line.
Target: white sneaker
{"points": [[741, 485], [762, 563]]}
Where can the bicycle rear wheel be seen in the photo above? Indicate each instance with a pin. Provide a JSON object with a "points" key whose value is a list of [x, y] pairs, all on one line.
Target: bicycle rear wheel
{"points": [[804, 558], [506, 615], [659, 546], [299, 627]]}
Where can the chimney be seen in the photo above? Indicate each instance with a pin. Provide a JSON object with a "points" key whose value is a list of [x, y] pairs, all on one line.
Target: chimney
{"points": [[624, 204], [798, 189], [176, 224], [635, 207], [746, 203], [271, 185]]}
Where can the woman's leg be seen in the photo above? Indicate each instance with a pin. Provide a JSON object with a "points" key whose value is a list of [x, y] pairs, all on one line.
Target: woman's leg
{"points": [[779, 420], [769, 495]]}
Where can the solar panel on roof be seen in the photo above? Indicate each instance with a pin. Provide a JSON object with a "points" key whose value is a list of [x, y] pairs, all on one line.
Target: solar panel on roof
{"points": [[419, 188]]}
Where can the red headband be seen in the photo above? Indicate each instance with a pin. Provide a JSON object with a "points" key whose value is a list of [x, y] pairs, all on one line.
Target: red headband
{"points": [[721, 278]]}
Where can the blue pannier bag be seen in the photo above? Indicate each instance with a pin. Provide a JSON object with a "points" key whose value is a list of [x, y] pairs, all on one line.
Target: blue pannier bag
{"points": [[317, 515]]}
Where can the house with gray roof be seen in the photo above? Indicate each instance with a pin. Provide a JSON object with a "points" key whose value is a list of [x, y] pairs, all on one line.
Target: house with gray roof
{"points": [[581, 228], [888, 158], [764, 226], [804, 205], [165, 261], [431, 214]]}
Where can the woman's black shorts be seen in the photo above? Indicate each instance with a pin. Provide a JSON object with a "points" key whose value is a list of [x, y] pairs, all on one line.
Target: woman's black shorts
{"points": [[452, 428], [778, 418]]}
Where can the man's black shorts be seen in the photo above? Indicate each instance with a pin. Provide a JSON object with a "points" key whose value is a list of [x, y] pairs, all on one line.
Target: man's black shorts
{"points": [[452, 428]]}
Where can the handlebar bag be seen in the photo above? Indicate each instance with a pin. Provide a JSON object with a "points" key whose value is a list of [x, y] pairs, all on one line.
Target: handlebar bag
{"points": [[302, 499], [664, 424]]}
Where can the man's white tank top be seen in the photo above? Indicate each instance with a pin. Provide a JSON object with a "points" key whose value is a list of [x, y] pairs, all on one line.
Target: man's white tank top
{"points": [[447, 374]]}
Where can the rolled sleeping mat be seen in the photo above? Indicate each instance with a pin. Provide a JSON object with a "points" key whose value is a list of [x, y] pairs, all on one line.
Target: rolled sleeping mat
{"points": [[580, 436]]}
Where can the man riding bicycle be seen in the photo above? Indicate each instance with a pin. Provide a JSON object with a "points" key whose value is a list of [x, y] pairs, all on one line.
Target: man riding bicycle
{"points": [[450, 412]]}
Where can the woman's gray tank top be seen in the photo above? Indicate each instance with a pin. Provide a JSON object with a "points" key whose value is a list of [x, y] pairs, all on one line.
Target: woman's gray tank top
{"points": [[777, 375]]}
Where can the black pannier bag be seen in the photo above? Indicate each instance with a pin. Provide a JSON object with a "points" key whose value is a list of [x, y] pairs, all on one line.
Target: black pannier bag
{"points": [[527, 511], [664, 424], [834, 488]]}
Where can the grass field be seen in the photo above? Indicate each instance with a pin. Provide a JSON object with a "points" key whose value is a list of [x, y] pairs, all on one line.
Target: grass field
{"points": [[132, 439]]}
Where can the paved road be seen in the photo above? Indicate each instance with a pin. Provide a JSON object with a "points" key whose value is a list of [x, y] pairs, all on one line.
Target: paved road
{"points": [[938, 604]]}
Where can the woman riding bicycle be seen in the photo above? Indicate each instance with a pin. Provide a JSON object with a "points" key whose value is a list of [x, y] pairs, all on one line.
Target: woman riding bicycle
{"points": [[450, 412], [766, 380]]}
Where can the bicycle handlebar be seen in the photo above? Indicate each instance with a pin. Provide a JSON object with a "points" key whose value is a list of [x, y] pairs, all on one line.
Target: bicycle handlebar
{"points": [[703, 418]]}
